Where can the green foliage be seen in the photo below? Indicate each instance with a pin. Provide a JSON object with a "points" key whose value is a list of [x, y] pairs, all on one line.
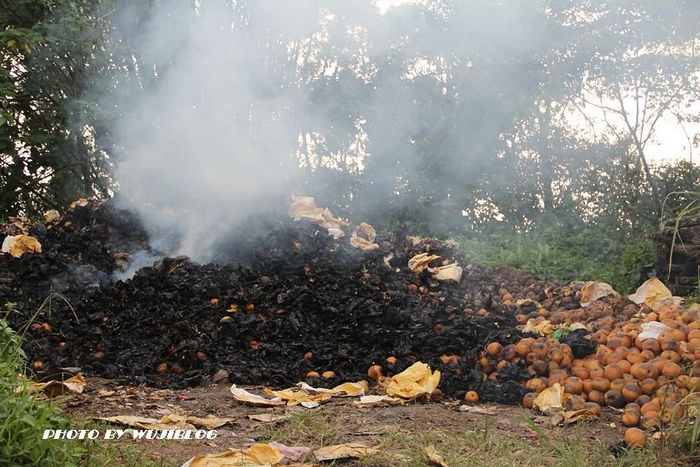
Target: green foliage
{"points": [[561, 254], [23, 418], [11, 353], [23, 422], [49, 149]]}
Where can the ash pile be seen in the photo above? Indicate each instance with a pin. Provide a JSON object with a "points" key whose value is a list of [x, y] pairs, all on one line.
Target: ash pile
{"points": [[314, 299]]}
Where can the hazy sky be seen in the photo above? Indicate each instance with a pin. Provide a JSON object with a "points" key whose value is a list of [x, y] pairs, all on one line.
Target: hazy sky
{"points": [[671, 141]]}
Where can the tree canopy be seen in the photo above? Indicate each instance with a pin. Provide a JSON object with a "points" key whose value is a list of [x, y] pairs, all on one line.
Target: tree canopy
{"points": [[450, 116]]}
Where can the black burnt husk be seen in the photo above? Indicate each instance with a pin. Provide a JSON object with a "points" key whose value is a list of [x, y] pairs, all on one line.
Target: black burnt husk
{"points": [[294, 289]]}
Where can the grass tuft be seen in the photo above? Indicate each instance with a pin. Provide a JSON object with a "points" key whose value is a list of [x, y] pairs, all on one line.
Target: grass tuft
{"points": [[304, 428]]}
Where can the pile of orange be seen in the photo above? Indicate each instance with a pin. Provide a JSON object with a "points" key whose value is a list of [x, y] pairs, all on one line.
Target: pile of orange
{"points": [[647, 378]]}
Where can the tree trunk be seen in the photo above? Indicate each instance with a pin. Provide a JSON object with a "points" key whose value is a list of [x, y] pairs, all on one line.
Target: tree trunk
{"points": [[649, 176], [545, 153]]}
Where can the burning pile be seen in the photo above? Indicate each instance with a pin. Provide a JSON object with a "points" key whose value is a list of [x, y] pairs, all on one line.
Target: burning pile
{"points": [[301, 303], [316, 300]]}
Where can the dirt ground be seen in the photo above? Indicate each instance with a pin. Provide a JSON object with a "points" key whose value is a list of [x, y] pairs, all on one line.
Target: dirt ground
{"points": [[104, 398]]}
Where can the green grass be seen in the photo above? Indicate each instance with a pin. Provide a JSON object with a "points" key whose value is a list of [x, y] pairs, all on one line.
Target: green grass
{"points": [[560, 255], [481, 443], [100, 453], [23, 418], [303, 428], [484, 445]]}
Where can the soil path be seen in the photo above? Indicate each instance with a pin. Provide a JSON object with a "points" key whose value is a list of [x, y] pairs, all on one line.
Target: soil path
{"points": [[104, 398]]}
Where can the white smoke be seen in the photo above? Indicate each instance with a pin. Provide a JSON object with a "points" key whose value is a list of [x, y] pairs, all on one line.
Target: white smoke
{"points": [[206, 137]]}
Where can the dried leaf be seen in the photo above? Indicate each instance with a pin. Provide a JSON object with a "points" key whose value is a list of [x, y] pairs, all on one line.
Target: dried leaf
{"points": [[433, 456], [652, 293], [294, 397], [377, 401], [476, 409], [595, 290], [310, 397], [304, 207], [268, 417], [551, 399], [387, 260], [415, 239], [449, 273], [145, 423], [209, 422], [17, 245], [169, 421], [242, 395], [544, 328], [568, 417], [82, 202], [51, 216], [366, 231], [351, 389], [19, 225], [343, 451], [256, 455], [421, 261], [414, 381], [362, 244], [73, 385]]}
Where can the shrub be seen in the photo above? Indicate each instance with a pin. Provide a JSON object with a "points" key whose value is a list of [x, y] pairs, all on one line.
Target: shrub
{"points": [[562, 255]]}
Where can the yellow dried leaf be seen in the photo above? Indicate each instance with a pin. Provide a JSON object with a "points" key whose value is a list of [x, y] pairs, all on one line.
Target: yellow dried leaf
{"points": [[352, 389], [421, 261], [343, 451], [551, 399], [544, 328], [362, 244], [209, 422], [652, 293], [377, 401], [73, 385], [51, 216], [17, 245], [449, 273], [242, 395], [433, 456], [145, 423], [82, 202], [294, 397], [415, 381], [594, 290], [256, 455]]}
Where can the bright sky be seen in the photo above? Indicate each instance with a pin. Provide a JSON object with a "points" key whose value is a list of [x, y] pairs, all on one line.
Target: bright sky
{"points": [[672, 141]]}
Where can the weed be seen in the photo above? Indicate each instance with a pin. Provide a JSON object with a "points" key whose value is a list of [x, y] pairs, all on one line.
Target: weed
{"points": [[24, 418], [307, 428]]}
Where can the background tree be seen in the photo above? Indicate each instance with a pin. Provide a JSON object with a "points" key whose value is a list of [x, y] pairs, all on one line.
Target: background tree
{"points": [[451, 117], [49, 143]]}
